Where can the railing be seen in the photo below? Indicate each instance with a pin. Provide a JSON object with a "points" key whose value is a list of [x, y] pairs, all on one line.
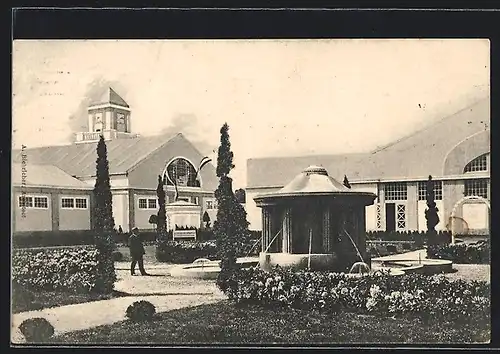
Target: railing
{"points": [[108, 134]]}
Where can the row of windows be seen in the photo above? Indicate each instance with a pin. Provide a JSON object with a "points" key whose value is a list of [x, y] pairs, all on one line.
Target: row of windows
{"points": [[74, 203], [147, 203], [33, 202], [399, 190], [43, 202]]}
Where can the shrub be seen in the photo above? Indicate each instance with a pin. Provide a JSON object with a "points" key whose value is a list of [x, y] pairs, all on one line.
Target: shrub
{"points": [[117, 256], [141, 311], [64, 268], [379, 294], [36, 329], [52, 238], [185, 251], [478, 253]]}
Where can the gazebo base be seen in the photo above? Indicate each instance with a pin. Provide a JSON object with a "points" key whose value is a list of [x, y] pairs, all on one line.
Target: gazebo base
{"points": [[323, 261]]}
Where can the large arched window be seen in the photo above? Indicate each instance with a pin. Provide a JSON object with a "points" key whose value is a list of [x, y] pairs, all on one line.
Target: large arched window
{"points": [[478, 164], [183, 173]]}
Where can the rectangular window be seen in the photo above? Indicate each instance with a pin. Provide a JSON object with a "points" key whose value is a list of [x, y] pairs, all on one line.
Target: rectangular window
{"points": [[210, 204], [196, 200], [41, 202], [67, 203], [151, 203], [396, 191], [147, 203], [438, 190], [80, 203], [143, 203], [476, 187], [25, 202]]}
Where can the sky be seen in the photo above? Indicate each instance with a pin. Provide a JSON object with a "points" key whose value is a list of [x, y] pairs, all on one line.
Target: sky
{"points": [[279, 97]]}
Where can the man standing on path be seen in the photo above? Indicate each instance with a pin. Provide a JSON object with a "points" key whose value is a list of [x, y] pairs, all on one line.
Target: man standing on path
{"points": [[136, 251]]}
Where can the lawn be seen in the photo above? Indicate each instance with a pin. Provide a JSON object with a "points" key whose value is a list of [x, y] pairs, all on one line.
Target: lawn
{"points": [[28, 300], [227, 323]]}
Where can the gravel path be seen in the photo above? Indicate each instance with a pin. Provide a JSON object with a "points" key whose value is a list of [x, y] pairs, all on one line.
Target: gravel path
{"points": [[165, 292], [92, 314]]}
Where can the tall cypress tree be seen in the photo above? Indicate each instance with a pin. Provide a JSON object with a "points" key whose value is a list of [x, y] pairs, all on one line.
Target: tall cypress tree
{"points": [[103, 220], [431, 213], [231, 226], [162, 214]]}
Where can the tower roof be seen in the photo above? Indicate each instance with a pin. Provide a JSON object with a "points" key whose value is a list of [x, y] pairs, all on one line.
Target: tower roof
{"points": [[109, 96]]}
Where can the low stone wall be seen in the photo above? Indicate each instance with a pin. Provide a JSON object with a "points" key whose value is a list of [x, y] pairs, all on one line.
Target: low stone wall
{"points": [[298, 261]]}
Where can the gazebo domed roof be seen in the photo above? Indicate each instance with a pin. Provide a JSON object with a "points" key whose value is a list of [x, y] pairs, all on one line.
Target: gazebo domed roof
{"points": [[314, 180]]}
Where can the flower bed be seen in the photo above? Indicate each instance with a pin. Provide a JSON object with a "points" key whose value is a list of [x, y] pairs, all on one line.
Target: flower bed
{"points": [[428, 297], [72, 269], [475, 253]]}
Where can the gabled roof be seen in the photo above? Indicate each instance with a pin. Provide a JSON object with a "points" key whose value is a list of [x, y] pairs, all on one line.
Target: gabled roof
{"points": [[277, 171], [109, 96], [44, 175], [80, 159], [418, 155]]}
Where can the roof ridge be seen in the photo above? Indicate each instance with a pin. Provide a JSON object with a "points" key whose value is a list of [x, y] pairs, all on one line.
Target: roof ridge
{"points": [[142, 158], [427, 127], [306, 156]]}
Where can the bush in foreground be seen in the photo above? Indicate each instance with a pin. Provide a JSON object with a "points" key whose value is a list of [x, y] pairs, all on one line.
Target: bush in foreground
{"points": [[141, 311], [72, 269], [478, 253], [420, 295], [36, 330]]}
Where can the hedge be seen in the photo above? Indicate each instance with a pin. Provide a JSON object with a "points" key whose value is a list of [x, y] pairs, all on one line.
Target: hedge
{"points": [[73, 269], [473, 253], [429, 297], [181, 252], [420, 237], [30, 239]]}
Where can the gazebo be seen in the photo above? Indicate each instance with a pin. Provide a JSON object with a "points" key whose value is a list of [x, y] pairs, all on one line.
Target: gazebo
{"points": [[314, 222]]}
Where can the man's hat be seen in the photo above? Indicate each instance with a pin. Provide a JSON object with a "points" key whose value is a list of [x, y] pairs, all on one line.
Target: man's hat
{"points": [[135, 230]]}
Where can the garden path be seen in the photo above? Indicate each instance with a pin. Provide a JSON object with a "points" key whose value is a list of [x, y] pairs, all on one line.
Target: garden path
{"points": [[165, 292]]}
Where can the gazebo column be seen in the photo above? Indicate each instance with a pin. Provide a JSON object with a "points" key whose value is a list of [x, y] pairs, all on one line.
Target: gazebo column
{"points": [[326, 229], [266, 228], [287, 231]]}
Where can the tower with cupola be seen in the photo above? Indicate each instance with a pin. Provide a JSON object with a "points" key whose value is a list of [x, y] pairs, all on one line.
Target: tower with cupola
{"points": [[109, 115]]}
